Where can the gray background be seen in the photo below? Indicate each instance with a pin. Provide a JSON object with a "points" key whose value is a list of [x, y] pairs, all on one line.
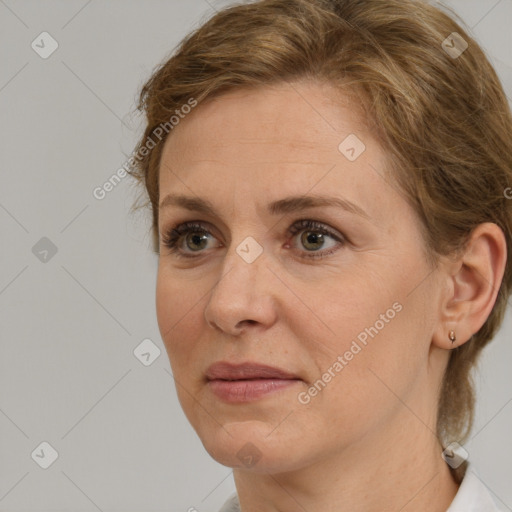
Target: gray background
{"points": [[69, 326]]}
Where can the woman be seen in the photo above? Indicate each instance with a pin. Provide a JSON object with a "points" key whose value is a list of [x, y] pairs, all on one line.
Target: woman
{"points": [[328, 181]]}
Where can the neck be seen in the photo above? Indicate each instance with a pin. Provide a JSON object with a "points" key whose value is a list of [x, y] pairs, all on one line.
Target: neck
{"points": [[398, 468]]}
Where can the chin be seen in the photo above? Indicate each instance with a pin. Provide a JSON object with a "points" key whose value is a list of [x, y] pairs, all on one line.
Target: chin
{"points": [[248, 446]]}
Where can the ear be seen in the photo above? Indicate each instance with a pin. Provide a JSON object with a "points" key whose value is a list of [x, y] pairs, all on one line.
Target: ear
{"points": [[472, 280]]}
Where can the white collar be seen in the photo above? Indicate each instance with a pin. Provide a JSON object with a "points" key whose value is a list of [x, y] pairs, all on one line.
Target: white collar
{"points": [[473, 495]]}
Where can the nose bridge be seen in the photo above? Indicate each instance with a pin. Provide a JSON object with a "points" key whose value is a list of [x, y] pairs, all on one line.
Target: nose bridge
{"points": [[239, 294], [245, 256], [241, 269]]}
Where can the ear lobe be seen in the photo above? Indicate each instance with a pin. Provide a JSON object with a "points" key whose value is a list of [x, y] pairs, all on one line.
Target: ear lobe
{"points": [[473, 282]]}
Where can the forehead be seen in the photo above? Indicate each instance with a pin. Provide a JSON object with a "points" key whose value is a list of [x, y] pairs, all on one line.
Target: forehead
{"points": [[274, 141], [304, 116]]}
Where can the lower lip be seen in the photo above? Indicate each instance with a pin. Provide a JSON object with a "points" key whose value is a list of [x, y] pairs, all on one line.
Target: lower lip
{"points": [[248, 390]]}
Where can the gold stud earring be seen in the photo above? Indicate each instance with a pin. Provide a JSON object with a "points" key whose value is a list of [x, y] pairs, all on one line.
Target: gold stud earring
{"points": [[452, 336]]}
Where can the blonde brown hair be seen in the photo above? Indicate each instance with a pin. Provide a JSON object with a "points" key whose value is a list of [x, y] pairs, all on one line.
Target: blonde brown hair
{"points": [[444, 120]]}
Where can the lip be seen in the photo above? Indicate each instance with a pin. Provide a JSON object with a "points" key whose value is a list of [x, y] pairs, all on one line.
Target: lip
{"points": [[250, 370], [247, 381]]}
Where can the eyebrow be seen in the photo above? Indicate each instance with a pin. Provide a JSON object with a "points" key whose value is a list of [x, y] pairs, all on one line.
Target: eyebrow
{"points": [[282, 206]]}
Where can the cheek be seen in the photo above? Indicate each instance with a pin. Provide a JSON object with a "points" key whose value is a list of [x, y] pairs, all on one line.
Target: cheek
{"points": [[363, 386], [372, 333], [178, 310]]}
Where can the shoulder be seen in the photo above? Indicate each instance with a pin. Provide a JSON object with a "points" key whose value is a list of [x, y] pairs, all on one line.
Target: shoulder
{"points": [[473, 495]]}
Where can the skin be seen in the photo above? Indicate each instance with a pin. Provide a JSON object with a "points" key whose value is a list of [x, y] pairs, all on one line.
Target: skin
{"points": [[367, 441]]}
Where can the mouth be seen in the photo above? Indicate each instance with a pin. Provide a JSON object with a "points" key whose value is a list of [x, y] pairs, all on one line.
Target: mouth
{"points": [[248, 381]]}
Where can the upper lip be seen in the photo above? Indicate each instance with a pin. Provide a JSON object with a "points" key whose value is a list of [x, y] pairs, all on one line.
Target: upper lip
{"points": [[250, 370]]}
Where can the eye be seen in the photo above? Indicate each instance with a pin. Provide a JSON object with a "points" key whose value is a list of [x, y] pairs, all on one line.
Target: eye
{"points": [[313, 238], [195, 236]]}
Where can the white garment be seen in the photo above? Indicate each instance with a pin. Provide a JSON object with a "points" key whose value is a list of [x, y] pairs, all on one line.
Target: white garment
{"points": [[472, 496], [232, 505]]}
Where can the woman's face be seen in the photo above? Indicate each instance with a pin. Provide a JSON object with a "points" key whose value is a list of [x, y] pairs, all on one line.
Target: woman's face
{"points": [[345, 307]]}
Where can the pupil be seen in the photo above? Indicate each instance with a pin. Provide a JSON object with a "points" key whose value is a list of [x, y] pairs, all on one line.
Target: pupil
{"points": [[313, 238], [196, 239]]}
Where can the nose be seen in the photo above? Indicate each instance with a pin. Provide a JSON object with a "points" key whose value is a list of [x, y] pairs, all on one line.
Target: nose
{"points": [[243, 296]]}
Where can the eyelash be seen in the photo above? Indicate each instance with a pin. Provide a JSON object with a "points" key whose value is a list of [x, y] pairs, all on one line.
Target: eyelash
{"points": [[170, 239]]}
